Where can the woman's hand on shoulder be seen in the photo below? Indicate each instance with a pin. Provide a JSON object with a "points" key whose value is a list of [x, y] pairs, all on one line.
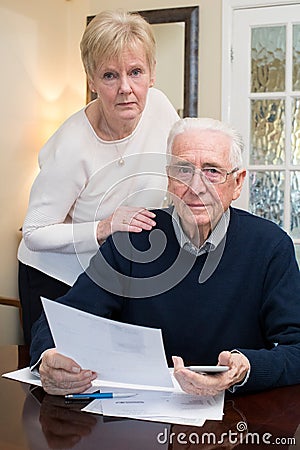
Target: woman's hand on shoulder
{"points": [[126, 218]]}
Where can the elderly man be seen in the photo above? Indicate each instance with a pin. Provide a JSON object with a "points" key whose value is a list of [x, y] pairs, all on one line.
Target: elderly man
{"points": [[222, 284]]}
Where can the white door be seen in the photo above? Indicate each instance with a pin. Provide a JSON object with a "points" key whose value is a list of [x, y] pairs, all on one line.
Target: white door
{"points": [[264, 105]]}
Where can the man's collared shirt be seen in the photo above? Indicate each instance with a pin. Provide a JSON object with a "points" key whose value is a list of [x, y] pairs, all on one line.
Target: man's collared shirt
{"points": [[211, 243]]}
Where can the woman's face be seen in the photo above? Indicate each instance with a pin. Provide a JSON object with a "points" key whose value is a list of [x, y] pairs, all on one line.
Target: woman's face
{"points": [[122, 85]]}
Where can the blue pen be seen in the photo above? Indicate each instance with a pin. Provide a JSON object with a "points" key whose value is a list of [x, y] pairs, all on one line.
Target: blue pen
{"points": [[100, 395]]}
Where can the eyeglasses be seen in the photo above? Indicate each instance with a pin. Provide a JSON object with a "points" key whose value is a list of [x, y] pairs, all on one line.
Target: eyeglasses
{"points": [[185, 173]]}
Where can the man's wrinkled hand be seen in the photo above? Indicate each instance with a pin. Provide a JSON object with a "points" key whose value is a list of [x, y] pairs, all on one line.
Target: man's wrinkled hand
{"points": [[204, 384], [61, 375]]}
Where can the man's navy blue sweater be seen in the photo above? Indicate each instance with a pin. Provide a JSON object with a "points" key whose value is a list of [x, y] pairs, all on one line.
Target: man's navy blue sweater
{"points": [[250, 299]]}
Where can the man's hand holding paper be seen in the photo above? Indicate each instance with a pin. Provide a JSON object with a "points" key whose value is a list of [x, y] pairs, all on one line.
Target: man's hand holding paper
{"points": [[90, 347], [61, 375]]}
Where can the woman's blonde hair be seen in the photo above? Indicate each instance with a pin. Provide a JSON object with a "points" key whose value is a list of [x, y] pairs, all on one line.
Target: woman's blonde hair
{"points": [[110, 32]]}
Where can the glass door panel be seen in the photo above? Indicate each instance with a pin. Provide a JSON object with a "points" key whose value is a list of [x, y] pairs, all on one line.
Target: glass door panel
{"points": [[265, 107], [267, 132], [268, 56]]}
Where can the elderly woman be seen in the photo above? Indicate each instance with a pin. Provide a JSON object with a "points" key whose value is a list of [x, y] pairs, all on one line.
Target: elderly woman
{"points": [[102, 168]]}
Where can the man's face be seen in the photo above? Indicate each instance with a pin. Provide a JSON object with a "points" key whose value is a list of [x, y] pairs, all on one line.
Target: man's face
{"points": [[199, 203]]}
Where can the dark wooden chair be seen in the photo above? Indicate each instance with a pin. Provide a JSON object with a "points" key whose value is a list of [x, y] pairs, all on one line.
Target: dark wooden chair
{"points": [[7, 301]]}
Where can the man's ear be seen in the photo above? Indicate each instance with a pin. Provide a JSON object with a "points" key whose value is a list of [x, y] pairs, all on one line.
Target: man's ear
{"points": [[168, 186], [169, 180], [239, 181]]}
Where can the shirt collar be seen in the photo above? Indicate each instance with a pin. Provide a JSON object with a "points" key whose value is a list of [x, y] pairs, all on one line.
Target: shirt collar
{"points": [[211, 243]]}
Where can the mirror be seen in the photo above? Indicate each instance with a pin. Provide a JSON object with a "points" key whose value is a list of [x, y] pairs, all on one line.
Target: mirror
{"points": [[169, 73], [189, 18]]}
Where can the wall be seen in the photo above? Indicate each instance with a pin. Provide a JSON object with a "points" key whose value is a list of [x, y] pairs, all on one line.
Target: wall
{"points": [[43, 82]]}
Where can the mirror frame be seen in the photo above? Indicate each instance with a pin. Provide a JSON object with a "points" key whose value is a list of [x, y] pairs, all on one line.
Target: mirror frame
{"points": [[190, 17]]}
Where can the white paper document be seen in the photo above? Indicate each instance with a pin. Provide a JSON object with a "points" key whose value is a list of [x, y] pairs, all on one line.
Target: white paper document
{"points": [[118, 352], [26, 376], [173, 407], [23, 375]]}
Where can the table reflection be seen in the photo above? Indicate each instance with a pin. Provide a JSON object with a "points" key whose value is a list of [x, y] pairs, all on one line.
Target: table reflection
{"points": [[61, 425], [50, 422]]}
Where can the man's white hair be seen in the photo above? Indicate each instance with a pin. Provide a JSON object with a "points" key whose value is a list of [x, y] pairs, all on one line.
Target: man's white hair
{"points": [[205, 123]]}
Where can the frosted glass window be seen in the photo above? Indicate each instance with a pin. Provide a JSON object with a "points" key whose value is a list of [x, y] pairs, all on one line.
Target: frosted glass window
{"points": [[295, 204], [264, 103], [268, 57], [296, 57], [267, 142], [267, 194], [295, 132]]}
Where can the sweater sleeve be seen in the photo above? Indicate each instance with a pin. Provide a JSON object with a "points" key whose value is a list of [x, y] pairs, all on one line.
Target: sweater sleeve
{"points": [[279, 363], [47, 226]]}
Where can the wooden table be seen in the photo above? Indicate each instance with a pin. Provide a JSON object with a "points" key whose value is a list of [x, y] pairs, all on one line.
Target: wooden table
{"points": [[33, 420]]}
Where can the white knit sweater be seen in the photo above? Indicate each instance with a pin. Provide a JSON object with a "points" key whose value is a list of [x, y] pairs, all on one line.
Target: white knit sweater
{"points": [[80, 182]]}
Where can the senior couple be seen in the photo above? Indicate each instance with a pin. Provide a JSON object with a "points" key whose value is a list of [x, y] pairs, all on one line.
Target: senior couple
{"points": [[222, 284]]}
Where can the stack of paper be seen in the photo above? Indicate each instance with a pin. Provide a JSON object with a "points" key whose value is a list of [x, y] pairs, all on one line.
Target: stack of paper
{"points": [[172, 407]]}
